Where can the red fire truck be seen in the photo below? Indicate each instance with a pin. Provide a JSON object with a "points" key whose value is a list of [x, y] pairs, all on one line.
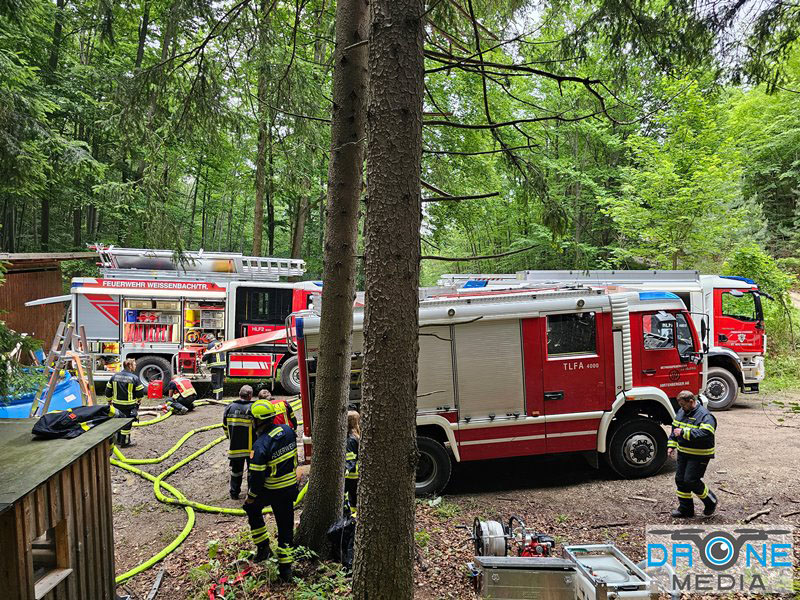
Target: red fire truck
{"points": [[539, 372], [163, 310], [727, 310]]}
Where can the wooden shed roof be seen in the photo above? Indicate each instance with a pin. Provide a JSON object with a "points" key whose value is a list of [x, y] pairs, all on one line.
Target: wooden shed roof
{"points": [[31, 260], [26, 462]]}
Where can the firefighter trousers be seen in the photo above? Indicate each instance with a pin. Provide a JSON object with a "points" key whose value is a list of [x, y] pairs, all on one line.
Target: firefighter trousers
{"points": [[282, 503], [187, 403], [217, 380], [237, 472], [127, 410], [351, 489], [689, 480]]}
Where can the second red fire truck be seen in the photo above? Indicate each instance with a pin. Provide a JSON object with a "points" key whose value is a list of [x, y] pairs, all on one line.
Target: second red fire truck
{"points": [[539, 372]]}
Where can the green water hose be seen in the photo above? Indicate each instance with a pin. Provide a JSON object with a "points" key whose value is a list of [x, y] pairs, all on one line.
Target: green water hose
{"points": [[187, 529], [178, 498]]}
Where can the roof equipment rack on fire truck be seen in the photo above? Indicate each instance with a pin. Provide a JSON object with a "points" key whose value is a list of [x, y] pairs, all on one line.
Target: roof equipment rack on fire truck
{"points": [[478, 280], [167, 264]]}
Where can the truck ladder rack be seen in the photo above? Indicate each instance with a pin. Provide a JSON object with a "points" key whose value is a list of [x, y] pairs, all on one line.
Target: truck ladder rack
{"points": [[122, 263]]}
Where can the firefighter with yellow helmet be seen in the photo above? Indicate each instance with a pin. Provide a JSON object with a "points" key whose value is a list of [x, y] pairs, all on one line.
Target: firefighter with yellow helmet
{"points": [[272, 480]]}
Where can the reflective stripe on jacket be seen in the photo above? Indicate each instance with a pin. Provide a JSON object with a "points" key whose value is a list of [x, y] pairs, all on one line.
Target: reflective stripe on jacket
{"points": [[273, 465], [699, 428], [181, 385], [237, 422], [351, 458], [124, 389]]}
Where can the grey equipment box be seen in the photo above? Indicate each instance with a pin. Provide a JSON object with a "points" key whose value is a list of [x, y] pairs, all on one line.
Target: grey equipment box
{"points": [[523, 578]]}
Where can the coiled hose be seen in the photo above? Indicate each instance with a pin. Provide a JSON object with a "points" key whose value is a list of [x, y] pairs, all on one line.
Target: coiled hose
{"points": [[177, 497]]}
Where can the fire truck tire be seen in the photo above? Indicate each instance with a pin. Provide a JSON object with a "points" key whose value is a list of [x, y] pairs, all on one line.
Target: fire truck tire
{"points": [[638, 448], [721, 389], [433, 467], [290, 376], [153, 368]]}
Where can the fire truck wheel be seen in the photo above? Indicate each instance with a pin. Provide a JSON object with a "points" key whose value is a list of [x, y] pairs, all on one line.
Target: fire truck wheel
{"points": [[433, 467], [153, 368], [638, 448], [721, 389], [290, 376]]}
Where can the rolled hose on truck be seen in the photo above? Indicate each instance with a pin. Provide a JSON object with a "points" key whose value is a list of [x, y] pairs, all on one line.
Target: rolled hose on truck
{"points": [[177, 497]]}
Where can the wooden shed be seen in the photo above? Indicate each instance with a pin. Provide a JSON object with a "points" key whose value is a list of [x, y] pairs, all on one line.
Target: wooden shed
{"points": [[31, 276], [56, 523]]}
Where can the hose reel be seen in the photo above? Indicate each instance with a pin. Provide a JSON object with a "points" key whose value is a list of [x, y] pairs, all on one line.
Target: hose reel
{"points": [[489, 538]]}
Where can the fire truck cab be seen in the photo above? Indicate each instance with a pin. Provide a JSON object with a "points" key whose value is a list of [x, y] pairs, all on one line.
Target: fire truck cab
{"points": [[164, 310], [539, 372], [726, 310]]}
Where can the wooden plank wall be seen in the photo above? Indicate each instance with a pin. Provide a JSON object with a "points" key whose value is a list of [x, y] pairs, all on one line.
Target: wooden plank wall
{"points": [[22, 286], [77, 502]]}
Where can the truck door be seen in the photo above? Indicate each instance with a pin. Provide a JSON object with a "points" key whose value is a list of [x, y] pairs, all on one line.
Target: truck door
{"points": [[574, 379], [662, 338], [738, 320], [259, 310]]}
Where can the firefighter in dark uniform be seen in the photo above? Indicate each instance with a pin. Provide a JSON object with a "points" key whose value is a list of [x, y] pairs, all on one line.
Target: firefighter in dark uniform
{"points": [[272, 480], [351, 458], [216, 361], [693, 438], [238, 425], [182, 394], [124, 391]]}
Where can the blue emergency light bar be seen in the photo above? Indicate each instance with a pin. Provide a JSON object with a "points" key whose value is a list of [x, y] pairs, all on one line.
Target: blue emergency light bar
{"points": [[658, 296]]}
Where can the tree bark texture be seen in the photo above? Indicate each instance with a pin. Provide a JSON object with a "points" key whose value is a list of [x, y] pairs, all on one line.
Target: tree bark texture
{"points": [[263, 130], [323, 503], [384, 558]]}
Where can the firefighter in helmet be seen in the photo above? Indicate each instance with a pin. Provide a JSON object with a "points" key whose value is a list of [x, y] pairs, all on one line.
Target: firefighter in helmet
{"points": [[282, 407], [216, 362], [124, 391], [237, 422], [181, 393], [692, 437], [272, 480]]}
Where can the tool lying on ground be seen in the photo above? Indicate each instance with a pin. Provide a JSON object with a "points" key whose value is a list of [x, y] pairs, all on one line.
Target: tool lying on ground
{"points": [[177, 497], [584, 572]]}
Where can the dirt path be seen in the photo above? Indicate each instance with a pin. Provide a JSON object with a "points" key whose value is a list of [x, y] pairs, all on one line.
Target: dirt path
{"points": [[757, 463]]}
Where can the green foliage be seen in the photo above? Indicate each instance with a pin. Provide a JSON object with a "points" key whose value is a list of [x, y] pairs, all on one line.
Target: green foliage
{"points": [[680, 205], [422, 538]]}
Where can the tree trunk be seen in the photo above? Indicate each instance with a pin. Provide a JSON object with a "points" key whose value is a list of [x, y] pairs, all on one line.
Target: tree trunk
{"points": [[323, 502], [384, 560], [142, 35], [194, 202], [264, 129], [77, 223], [271, 196], [300, 217], [50, 77]]}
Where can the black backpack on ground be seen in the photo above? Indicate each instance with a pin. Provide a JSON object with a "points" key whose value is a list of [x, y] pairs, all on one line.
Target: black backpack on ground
{"points": [[342, 536], [72, 422]]}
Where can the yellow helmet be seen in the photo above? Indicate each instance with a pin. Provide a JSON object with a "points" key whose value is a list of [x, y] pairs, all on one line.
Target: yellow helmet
{"points": [[263, 409]]}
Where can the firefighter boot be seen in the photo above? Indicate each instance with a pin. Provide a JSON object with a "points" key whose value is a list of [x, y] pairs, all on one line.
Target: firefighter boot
{"points": [[685, 509], [178, 408], [285, 572], [263, 552], [710, 502]]}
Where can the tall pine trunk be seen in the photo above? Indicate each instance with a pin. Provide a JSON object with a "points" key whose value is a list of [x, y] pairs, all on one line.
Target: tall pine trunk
{"points": [[323, 502], [50, 78], [264, 127], [384, 560]]}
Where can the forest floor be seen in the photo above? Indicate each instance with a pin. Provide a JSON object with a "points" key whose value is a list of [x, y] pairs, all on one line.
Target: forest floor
{"points": [[755, 469]]}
